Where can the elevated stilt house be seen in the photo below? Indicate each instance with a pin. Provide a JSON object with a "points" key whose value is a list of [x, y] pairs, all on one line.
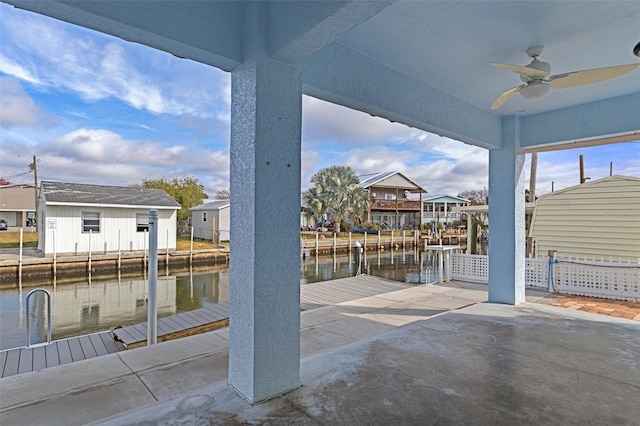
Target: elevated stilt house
{"points": [[391, 202]]}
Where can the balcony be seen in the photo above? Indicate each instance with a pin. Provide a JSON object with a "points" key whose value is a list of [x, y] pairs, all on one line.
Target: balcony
{"points": [[393, 205]]}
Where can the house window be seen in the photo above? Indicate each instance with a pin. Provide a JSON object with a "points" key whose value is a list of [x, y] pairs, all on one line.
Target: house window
{"points": [[90, 221], [142, 222], [204, 216], [390, 197]]}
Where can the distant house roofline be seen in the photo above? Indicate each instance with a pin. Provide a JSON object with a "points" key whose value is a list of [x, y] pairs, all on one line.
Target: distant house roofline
{"points": [[212, 205], [373, 178]]}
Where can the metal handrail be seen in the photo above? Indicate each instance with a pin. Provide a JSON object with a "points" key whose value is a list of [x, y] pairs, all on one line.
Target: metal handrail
{"points": [[48, 318]]}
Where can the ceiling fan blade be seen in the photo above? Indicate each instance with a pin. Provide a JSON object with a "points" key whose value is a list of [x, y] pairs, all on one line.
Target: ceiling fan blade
{"points": [[505, 96], [579, 78], [532, 72]]}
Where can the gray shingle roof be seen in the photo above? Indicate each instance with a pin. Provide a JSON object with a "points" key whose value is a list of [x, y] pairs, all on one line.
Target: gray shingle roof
{"points": [[212, 205], [79, 193]]}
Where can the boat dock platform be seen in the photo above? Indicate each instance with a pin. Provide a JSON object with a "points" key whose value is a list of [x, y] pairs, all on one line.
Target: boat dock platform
{"points": [[208, 318]]}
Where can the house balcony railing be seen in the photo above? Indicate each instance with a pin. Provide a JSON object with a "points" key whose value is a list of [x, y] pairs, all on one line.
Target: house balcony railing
{"points": [[442, 216], [393, 205]]}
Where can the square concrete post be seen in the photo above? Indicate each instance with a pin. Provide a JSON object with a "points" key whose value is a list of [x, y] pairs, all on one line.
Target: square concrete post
{"points": [[264, 276], [506, 217]]}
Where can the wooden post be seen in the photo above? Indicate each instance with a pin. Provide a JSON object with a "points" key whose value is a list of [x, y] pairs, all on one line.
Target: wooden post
{"points": [[191, 248], [20, 261], [119, 253], [90, 232], [55, 257]]}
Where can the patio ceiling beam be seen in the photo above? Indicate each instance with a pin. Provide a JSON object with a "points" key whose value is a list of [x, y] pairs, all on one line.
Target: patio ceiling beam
{"points": [[345, 77], [298, 30], [593, 121]]}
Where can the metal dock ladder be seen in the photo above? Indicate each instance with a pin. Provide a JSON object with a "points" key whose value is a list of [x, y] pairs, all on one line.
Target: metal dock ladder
{"points": [[48, 295]]}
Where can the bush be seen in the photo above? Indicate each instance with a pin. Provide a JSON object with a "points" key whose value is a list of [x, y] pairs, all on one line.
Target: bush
{"points": [[370, 225]]}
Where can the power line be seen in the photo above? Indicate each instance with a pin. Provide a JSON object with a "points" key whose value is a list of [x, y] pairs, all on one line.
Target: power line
{"points": [[21, 174]]}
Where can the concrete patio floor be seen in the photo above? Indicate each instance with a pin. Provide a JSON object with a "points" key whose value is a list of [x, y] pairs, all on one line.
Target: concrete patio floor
{"points": [[424, 355]]}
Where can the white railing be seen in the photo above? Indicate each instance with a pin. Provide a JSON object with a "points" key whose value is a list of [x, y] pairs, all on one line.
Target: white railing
{"points": [[597, 278], [608, 279], [536, 272], [470, 267]]}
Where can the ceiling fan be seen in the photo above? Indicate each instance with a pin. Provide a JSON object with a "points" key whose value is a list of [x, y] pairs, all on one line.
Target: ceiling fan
{"points": [[537, 81]]}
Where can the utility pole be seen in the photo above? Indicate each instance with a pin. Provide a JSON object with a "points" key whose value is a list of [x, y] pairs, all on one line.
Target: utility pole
{"points": [[532, 198], [581, 169]]}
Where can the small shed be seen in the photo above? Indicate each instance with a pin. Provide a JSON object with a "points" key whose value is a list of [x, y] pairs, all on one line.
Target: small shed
{"points": [[211, 221], [594, 219], [79, 217]]}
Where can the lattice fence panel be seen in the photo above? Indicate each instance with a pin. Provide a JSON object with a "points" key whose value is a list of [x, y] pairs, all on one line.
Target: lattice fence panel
{"points": [[470, 267], [607, 279], [536, 272]]}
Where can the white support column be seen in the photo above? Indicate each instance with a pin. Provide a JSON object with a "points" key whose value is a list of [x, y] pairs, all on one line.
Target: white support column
{"points": [[266, 110], [506, 217]]}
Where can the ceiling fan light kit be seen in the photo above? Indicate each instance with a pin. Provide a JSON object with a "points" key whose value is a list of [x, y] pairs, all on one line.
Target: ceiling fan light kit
{"points": [[538, 82], [534, 90]]}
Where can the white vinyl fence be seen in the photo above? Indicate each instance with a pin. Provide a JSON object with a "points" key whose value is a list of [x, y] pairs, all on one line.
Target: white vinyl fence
{"points": [[584, 277], [608, 279]]}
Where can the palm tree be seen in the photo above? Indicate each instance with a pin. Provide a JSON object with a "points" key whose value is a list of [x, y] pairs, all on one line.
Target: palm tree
{"points": [[337, 191]]}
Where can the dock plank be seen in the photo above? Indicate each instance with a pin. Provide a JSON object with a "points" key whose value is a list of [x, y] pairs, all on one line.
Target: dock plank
{"points": [[109, 343], [76, 349], [98, 345], [64, 351], [3, 361], [12, 363], [51, 355], [39, 358], [26, 361], [87, 347]]}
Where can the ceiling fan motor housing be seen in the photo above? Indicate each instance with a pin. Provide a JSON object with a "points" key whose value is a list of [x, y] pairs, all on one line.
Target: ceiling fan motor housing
{"points": [[536, 65]]}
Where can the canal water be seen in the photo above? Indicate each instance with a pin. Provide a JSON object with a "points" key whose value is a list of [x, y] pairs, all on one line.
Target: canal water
{"points": [[84, 307]]}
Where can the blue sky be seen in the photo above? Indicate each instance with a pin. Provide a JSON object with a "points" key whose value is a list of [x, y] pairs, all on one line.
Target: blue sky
{"points": [[97, 109]]}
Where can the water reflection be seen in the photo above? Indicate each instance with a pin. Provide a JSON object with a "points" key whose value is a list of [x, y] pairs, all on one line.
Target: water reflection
{"points": [[103, 304]]}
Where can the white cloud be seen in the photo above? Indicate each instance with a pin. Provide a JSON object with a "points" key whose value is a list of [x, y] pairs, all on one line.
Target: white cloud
{"points": [[103, 157], [9, 67], [17, 109], [324, 121], [96, 66]]}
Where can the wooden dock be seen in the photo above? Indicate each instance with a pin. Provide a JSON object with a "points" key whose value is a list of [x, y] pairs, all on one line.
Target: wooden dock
{"points": [[59, 352], [211, 317]]}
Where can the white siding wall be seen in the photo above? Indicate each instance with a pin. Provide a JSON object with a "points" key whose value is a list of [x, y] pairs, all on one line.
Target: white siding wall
{"points": [[224, 224], [69, 237], [204, 230], [600, 218]]}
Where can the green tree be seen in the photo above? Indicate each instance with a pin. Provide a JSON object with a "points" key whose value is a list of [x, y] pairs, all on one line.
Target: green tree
{"points": [[336, 191], [188, 192]]}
